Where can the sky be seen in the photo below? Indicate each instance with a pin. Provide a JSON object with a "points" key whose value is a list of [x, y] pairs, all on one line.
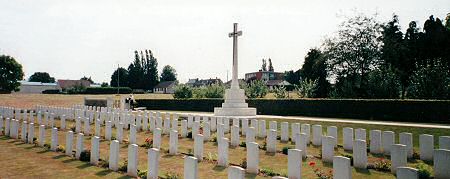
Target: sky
{"points": [[71, 39]]}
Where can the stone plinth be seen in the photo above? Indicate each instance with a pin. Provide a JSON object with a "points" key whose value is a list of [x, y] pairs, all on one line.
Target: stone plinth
{"points": [[234, 104]]}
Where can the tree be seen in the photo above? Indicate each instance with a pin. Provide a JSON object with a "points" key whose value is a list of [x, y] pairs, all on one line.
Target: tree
{"points": [[122, 73], [292, 77], [87, 79], [307, 88], [264, 65], [182, 92], [104, 84], [447, 21], [168, 74], [136, 73], [432, 82], [10, 73], [270, 65], [151, 71], [42, 77], [354, 52], [256, 89], [315, 68]]}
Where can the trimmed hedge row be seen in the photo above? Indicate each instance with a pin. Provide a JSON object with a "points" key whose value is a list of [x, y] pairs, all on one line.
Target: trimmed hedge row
{"points": [[389, 110], [107, 90]]}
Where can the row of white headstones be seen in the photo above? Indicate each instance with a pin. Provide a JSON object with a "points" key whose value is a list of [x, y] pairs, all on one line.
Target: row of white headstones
{"points": [[380, 142]]}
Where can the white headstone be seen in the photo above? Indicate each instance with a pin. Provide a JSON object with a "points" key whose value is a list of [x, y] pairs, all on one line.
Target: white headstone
{"points": [[78, 125], [272, 141], [273, 125], [426, 143], [244, 126], [54, 140], [295, 129], [114, 155], [441, 163], [108, 131], [317, 135], [444, 142], [195, 128], [191, 167], [97, 127], [132, 136], [294, 163], [198, 147], [398, 156], [301, 143], [333, 132], [328, 143], [342, 168], [348, 138], [153, 163], [95, 150], [407, 139], [30, 133], [375, 141], [41, 135], [236, 122], [220, 131], [235, 136], [206, 131], [284, 131], [222, 159], [235, 172], [119, 132], [23, 132], [262, 128], [173, 143], [250, 135], [213, 124], [157, 138], [387, 140], [253, 157], [226, 125], [132, 160], [407, 173], [184, 129], [80, 145], [360, 154], [166, 128], [360, 134], [306, 129], [69, 143], [190, 120]]}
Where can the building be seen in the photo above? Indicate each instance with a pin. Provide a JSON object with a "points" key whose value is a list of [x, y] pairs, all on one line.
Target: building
{"points": [[272, 84], [166, 87], [264, 76], [37, 87], [203, 82], [67, 84]]}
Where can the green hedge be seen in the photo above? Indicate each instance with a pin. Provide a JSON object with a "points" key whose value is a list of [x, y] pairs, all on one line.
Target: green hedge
{"points": [[51, 91], [389, 110], [107, 90]]}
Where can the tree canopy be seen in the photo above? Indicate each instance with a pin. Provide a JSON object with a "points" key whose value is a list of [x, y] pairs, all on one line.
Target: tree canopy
{"points": [[119, 78], [10, 74], [42, 77], [168, 74]]}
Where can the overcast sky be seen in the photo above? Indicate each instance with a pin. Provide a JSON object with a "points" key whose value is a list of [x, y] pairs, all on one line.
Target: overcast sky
{"points": [[71, 39]]}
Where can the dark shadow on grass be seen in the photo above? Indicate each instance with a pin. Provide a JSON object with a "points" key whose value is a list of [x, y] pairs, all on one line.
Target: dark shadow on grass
{"points": [[270, 153], [12, 141], [85, 165], [43, 151], [250, 176], [58, 156], [21, 143], [30, 147], [169, 156], [69, 160], [5, 138], [103, 172], [219, 168], [124, 177], [363, 171]]}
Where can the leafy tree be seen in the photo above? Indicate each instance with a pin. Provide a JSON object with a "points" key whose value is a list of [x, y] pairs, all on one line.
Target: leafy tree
{"points": [[10, 73], [214, 91], [123, 78], [354, 52], [315, 68], [264, 65], [151, 71], [307, 88], [104, 84], [383, 83], [447, 21], [182, 92], [256, 89], [431, 82], [270, 65], [87, 79], [42, 77], [280, 92], [136, 73], [292, 77], [168, 74]]}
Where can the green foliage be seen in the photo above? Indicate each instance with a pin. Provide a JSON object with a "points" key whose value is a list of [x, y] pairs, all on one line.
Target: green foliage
{"points": [[256, 89], [423, 171], [268, 172], [124, 166], [243, 144], [168, 74], [315, 68], [42, 77], [285, 150], [49, 91], [381, 165], [10, 74], [104, 84], [432, 82], [85, 156], [103, 163], [143, 72], [142, 174], [383, 83], [214, 91], [307, 88], [107, 90], [171, 175], [87, 79], [243, 163], [76, 89], [281, 92], [122, 74]]}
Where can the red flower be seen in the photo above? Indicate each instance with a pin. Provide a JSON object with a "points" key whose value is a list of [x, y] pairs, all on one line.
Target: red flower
{"points": [[316, 169], [312, 164]]}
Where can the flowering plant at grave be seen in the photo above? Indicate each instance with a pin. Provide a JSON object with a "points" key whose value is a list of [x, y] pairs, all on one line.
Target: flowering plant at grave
{"points": [[381, 164], [148, 143], [319, 173]]}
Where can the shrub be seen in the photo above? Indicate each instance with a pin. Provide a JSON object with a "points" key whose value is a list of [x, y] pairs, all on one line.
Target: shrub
{"points": [[423, 171], [263, 146], [124, 166], [382, 165], [147, 144], [49, 91], [142, 174], [280, 92], [214, 91], [60, 148], [243, 163], [103, 163], [307, 88], [182, 92], [171, 175], [268, 172], [107, 90], [285, 150], [256, 89], [432, 82], [85, 156], [243, 144]]}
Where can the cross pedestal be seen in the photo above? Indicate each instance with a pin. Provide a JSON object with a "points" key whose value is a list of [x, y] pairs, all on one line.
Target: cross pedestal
{"points": [[235, 104]]}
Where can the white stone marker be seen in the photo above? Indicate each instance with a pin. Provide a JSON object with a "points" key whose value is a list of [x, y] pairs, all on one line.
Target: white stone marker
{"points": [[444, 142], [306, 129], [235, 136], [80, 145], [190, 168], [244, 127], [284, 131], [333, 132], [360, 134], [190, 120], [220, 131], [69, 143], [235, 172], [206, 131], [295, 129], [375, 141], [152, 122], [226, 125], [198, 147], [87, 127], [387, 140], [7, 126], [222, 159], [152, 163], [348, 138], [174, 125], [166, 128], [195, 128], [317, 135], [273, 125], [407, 139], [294, 163], [301, 143], [250, 135], [157, 138], [407, 173], [341, 168], [398, 156], [272, 141], [95, 151], [213, 123], [108, 131], [97, 127], [41, 135], [173, 142], [119, 132], [78, 125], [253, 157], [132, 136], [23, 132], [30, 133], [441, 163], [159, 122], [63, 122], [184, 129], [426, 143], [132, 160], [145, 123], [54, 140], [360, 154], [262, 128], [328, 143], [114, 155]]}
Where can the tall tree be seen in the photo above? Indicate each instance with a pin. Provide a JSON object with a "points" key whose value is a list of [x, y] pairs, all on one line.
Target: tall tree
{"points": [[292, 77], [122, 74], [151, 71], [42, 77], [354, 52], [270, 65], [168, 74], [10, 74], [136, 73], [315, 68], [447, 21], [264, 65]]}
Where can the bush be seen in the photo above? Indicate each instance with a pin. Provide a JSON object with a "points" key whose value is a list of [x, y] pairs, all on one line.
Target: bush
{"points": [[243, 163], [280, 92], [142, 174], [107, 90], [384, 84], [243, 144], [268, 172], [285, 150], [49, 91], [423, 171], [103, 163], [256, 89], [307, 88], [430, 83], [214, 91], [124, 166], [182, 92], [171, 175], [85, 156]]}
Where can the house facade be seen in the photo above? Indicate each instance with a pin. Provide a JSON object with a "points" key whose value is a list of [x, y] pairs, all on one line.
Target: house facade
{"points": [[36, 87], [166, 87]]}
